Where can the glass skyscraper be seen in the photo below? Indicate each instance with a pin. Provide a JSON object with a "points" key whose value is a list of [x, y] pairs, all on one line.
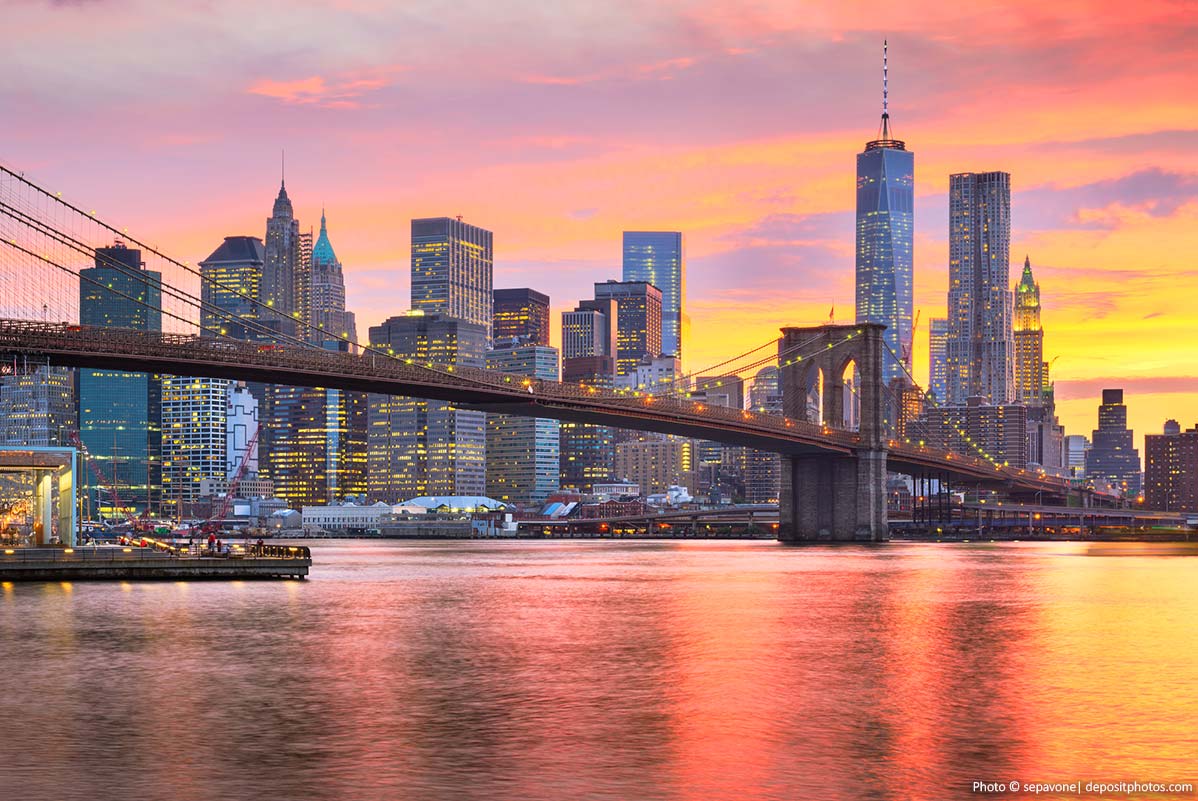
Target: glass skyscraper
{"points": [[452, 266], [233, 281], [980, 351], [656, 257], [937, 359], [885, 233], [521, 315], [120, 411], [638, 321]]}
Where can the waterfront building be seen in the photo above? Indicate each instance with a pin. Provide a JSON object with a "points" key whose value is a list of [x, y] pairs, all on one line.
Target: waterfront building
{"points": [[995, 432], [452, 268], [656, 257], [520, 315], [656, 463], [980, 350], [938, 331], [419, 447], [232, 283], [119, 410], [587, 451], [523, 453], [885, 236], [1112, 458], [1171, 469], [194, 438], [37, 406], [638, 321]]}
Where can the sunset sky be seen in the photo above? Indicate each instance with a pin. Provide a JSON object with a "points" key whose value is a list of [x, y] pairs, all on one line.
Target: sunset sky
{"points": [[558, 125]]}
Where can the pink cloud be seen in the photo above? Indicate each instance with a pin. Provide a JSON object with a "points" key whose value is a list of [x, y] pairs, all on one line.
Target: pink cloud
{"points": [[339, 93]]}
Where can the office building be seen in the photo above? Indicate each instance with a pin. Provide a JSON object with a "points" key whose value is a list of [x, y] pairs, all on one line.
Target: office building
{"points": [[655, 375], [590, 330], [520, 315], [656, 257], [232, 284], [1031, 380], [885, 234], [656, 464], [638, 321], [241, 424], [937, 359], [523, 453], [120, 410], [994, 432], [1112, 458], [1076, 448], [418, 447], [1171, 469], [325, 295], [37, 406], [763, 469], [282, 267], [452, 267], [194, 440], [980, 352], [587, 451]]}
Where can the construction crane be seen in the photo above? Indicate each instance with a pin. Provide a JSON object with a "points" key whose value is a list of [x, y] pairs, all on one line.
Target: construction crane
{"points": [[213, 523]]}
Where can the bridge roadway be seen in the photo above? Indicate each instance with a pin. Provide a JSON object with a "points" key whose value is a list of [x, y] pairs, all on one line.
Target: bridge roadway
{"points": [[70, 345]]}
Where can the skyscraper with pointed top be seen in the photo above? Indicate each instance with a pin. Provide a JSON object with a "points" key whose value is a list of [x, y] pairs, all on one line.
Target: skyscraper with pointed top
{"points": [[885, 233], [1030, 379], [281, 267], [326, 290]]}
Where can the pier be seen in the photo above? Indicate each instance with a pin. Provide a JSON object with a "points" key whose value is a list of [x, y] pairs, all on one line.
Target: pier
{"points": [[122, 563]]}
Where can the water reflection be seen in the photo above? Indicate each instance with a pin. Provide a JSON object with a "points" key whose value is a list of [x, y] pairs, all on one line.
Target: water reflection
{"points": [[608, 670]]}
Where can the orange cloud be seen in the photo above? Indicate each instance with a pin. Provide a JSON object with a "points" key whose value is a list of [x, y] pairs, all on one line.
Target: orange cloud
{"points": [[343, 92]]}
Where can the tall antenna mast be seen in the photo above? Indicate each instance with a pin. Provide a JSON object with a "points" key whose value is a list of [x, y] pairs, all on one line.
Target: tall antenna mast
{"points": [[885, 92], [283, 168]]}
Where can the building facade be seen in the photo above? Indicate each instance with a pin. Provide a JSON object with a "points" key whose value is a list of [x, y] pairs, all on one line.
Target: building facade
{"points": [[120, 413], [656, 464], [452, 269], [520, 315], [885, 242], [995, 432], [1031, 380], [1171, 469], [37, 406], [418, 447], [980, 350], [938, 359], [638, 321], [232, 283], [587, 452], [523, 453], [194, 441], [1113, 458], [657, 258]]}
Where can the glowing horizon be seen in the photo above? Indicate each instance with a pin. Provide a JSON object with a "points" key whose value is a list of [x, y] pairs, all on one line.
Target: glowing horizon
{"points": [[735, 123]]}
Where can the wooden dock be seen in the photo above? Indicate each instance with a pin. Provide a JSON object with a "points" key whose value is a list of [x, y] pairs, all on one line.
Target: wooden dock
{"points": [[88, 563]]}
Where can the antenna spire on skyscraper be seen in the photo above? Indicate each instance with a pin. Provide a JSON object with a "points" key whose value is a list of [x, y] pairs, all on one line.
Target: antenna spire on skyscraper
{"points": [[885, 91], [283, 169]]}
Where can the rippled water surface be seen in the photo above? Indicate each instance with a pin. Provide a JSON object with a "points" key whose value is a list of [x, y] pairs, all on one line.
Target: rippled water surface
{"points": [[608, 670]]}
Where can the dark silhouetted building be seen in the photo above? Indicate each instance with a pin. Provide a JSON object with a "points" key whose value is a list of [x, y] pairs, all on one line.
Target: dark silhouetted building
{"points": [[520, 315], [1112, 458]]}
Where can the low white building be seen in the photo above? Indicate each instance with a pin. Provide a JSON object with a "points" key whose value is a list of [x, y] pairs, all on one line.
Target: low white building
{"points": [[347, 516], [619, 489]]}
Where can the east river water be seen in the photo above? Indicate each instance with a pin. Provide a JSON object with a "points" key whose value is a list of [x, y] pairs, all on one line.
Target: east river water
{"points": [[610, 670]]}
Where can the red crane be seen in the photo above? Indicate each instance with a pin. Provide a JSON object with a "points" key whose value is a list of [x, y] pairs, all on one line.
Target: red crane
{"points": [[212, 524]]}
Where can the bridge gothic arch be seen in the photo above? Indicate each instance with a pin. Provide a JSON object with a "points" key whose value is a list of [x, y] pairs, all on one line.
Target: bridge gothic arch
{"points": [[825, 496]]}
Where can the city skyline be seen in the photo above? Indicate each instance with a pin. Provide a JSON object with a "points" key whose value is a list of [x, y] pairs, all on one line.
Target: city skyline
{"points": [[1108, 214]]}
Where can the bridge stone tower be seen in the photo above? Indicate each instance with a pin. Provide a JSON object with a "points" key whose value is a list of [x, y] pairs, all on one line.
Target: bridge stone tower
{"points": [[829, 496]]}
